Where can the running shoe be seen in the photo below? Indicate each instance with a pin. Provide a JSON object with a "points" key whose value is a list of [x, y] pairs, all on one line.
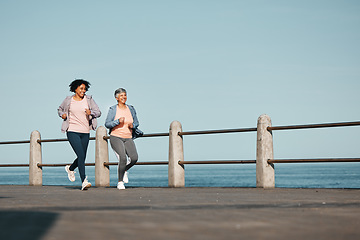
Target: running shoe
{"points": [[71, 174], [85, 184], [120, 185]]}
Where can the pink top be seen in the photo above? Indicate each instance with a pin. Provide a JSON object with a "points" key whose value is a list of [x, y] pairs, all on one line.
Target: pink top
{"points": [[78, 120], [123, 130]]}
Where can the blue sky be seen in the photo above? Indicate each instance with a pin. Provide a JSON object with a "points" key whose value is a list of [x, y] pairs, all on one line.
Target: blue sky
{"points": [[208, 64]]}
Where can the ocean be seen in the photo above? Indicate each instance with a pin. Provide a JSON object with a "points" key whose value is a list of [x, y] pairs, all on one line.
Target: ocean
{"points": [[287, 175]]}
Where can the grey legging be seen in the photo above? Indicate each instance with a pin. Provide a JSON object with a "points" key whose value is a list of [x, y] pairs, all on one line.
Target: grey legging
{"points": [[123, 147]]}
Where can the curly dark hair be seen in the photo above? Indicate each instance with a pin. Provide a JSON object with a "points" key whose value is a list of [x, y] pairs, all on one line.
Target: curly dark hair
{"points": [[77, 82]]}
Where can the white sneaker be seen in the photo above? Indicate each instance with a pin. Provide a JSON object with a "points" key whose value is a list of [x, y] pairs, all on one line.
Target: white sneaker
{"points": [[85, 184], [120, 185], [126, 178], [71, 174]]}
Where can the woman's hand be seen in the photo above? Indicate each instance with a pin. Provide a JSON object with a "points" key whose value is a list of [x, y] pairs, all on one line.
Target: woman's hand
{"points": [[87, 111], [64, 116], [121, 120]]}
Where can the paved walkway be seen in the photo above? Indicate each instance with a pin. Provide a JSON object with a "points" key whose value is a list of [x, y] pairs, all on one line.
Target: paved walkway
{"points": [[65, 212]]}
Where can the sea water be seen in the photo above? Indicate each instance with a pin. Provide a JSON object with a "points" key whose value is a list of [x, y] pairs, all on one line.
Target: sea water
{"points": [[287, 175]]}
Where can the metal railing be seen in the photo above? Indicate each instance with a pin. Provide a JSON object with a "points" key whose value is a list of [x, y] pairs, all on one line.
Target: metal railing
{"points": [[311, 126], [139, 163], [218, 162], [313, 160], [40, 141], [14, 142], [264, 155], [237, 130], [308, 126], [58, 140]]}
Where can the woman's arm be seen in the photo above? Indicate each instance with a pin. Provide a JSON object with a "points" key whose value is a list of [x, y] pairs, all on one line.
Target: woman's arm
{"points": [[62, 109], [135, 119], [110, 121], [95, 110]]}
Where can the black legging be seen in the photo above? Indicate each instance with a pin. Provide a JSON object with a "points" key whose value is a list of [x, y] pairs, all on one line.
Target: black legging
{"points": [[79, 142]]}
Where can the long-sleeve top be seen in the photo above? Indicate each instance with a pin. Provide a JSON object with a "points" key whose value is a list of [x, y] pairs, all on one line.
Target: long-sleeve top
{"points": [[93, 107], [111, 122]]}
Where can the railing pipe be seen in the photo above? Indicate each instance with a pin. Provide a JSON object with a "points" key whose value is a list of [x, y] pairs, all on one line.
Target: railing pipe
{"points": [[35, 172], [219, 162], [60, 164], [14, 165], [155, 135], [146, 135], [323, 125], [140, 163], [52, 140], [14, 142], [313, 160], [176, 172], [102, 172], [218, 131], [59, 140], [265, 173]]}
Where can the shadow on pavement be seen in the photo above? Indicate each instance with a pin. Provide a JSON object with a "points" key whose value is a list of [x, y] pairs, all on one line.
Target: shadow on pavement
{"points": [[25, 224]]}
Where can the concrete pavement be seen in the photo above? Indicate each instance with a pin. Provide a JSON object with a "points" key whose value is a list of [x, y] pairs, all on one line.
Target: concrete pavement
{"points": [[65, 212]]}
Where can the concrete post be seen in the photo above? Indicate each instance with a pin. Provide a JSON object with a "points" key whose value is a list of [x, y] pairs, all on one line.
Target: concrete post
{"points": [[102, 173], [265, 173], [35, 172], [176, 173]]}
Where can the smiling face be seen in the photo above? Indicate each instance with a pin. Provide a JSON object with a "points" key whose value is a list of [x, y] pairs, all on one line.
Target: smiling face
{"points": [[80, 90], [121, 98]]}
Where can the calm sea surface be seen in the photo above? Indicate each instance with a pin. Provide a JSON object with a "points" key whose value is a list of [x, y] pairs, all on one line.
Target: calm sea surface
{"points": [[310, 175]]}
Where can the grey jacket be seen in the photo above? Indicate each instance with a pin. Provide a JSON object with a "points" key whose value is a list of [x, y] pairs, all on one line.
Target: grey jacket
{"points": [[93, 107], [111, 122]]}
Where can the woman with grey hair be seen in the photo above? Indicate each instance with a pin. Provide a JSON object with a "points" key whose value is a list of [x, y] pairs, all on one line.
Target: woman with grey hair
{"points": [[123, 124]]}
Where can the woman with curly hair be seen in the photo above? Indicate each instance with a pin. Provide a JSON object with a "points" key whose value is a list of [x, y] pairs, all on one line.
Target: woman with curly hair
{"points": [[79, 113]]}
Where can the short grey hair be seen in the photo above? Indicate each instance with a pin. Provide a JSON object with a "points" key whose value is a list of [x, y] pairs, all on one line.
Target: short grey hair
{"points": [[118, 91]]}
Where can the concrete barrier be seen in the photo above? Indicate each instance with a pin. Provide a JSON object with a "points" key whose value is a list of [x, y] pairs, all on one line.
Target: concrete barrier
{"points": [[102, 173], [176, 172], [265, 173], [35, 172]]}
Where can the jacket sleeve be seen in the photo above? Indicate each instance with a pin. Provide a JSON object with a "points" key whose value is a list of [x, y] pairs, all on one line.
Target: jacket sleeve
{"points": [[135, 119], [110, 122], [62, 108], [95, 111]]}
